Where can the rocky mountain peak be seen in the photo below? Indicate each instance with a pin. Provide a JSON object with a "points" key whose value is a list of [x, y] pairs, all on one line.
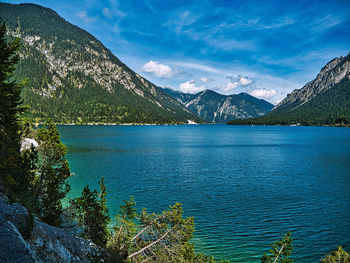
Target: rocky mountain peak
{"points": [[218, 108], [331, 74]]}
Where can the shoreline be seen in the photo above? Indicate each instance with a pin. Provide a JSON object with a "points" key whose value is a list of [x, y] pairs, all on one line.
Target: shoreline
{"points": [[175, 124], [117, 124], [291, 125]]}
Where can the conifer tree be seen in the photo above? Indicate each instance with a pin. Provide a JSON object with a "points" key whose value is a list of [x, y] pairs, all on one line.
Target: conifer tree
{"points": [[280, 251], [337, 256], [10, 111], [125, 228], [91, 211], [51, 186]]}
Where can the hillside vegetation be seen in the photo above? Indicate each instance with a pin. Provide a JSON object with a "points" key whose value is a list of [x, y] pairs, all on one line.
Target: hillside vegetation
{"points": [[73, 78]]}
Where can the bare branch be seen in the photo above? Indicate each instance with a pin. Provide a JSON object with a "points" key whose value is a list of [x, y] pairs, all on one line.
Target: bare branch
{"points": [[153, 243], [279, 253]]}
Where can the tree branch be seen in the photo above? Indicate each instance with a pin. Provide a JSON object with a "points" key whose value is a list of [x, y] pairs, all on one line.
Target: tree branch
{"points": [[153, 243]]}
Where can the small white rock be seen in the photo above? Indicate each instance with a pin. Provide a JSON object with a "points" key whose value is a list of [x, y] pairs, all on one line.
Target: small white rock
{"points": [[27, 143]]}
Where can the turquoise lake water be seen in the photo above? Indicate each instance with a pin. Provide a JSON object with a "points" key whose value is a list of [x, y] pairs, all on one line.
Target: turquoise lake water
{"points": [[245, 186]]}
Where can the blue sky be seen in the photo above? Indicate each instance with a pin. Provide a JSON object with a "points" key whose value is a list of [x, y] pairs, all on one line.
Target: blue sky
{"points": [[265, 48]]}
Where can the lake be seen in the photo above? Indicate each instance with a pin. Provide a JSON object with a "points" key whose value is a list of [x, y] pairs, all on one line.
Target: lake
{"points": [[245, 186]]}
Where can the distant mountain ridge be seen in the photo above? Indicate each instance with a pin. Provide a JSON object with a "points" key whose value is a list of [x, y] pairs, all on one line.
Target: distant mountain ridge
{"points": [[323, 101], [214, 107], [74, 78]]}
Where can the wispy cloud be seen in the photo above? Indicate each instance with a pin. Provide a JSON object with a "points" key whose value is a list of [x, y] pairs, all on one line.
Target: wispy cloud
{"points": [[113, 10], [197, 66], [255, 24], [206, 80], [83, 15], [107, 12], [180, 20], [323, 24]]}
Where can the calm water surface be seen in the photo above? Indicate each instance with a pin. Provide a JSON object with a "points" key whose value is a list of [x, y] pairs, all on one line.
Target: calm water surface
{"points": [[246, 186]]}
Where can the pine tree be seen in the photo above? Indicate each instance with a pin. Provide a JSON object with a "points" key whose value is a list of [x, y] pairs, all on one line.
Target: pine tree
{"points": [[51, 186], [91, 211], [337, 256], [280, 252], [10, 111], [125, 228]]}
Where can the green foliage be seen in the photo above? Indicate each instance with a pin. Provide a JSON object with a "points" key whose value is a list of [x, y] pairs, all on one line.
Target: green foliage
{"points": [[53, 170], [91, 210], [125, 228], [29, 166], [154, 237], [41, 191], [10, 112], [280, 252], [337, 256], [128, 210], [331, 107]]}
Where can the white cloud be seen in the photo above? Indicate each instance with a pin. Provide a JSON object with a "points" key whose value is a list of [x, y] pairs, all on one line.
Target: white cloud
{"points": [[206, 80], [263, 93], [159, 70], [230, 86], [245, 81], [190, 87]]}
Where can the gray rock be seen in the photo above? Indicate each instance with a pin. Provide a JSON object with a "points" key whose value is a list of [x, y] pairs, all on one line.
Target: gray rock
{"points": [[13, 248], [14, 213], [46, 244]]}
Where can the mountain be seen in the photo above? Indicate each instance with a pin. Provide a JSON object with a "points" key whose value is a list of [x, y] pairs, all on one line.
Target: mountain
{"points": [[74, 78], [214, 107], [323, 101]]}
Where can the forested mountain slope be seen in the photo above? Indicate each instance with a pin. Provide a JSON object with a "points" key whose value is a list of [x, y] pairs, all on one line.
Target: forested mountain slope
{"points": [[74, 78]]}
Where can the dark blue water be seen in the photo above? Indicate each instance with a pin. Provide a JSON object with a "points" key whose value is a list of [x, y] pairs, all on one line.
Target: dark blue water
{"points": [[245, 186]]}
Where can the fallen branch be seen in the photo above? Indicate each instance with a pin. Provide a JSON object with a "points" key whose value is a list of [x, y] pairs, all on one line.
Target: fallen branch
{"points": [[145, 228], [153, 243], [279, 253]]}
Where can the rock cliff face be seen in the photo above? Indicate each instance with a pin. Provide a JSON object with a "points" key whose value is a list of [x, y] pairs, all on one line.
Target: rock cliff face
{"points": [[330, 75], [45, 244], [74, 77], [214, 107]]}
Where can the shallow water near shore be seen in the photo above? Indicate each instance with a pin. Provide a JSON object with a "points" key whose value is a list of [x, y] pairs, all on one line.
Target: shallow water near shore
{"points": [[245, 186]]}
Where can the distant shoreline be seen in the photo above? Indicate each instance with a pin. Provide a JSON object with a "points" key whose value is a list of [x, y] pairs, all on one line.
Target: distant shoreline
{"points": [[290, 125], [119, 124], [174, 124]]}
